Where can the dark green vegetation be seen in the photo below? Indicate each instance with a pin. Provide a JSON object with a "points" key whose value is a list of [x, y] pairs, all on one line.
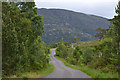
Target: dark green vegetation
{"points": [[22, 47], [116, 34], [36, 74], [100, 56], [67, 24]]}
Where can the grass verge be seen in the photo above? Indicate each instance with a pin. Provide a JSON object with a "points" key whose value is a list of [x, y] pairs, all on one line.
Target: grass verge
{"points": [[36, 74], [91, 72]]}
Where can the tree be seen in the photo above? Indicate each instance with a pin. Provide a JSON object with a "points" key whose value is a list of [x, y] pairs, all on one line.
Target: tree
{"points": [[77, 39], [22, 47], [109, 33], [116, 31], [100, 33], [61, 50], [77, 53]]}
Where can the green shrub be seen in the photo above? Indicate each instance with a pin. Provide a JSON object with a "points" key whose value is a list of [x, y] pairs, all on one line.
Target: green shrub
{"points": [[53, 45], [88, 55], [73, 61], [62, 50], [77, 53]]}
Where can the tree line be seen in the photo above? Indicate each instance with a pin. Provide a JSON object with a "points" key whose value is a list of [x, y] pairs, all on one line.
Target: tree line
{"points": [[22, 47]]}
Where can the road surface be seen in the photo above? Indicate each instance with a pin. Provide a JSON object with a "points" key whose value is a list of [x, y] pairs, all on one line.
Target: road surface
{"points": [[62, 71]]}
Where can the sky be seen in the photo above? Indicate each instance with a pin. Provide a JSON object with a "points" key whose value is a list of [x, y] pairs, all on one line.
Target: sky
{"points": [[104, 8]]}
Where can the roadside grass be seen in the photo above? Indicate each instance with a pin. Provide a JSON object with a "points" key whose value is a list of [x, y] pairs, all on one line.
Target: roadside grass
{"points": [[36, 74], [91, 72]]}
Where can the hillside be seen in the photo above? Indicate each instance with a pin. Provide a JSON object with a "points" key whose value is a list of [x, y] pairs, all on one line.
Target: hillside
{"points": [[60, 23]]}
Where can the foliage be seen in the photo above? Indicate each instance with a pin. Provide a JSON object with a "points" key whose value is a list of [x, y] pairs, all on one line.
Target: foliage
{"points": [[95, 55], [88, 56], [77, 39], [100, 33], [77, 53], [53, 45], [116, 33], [71, 60], [68, 44], [62, 50], [22, 47], [101, 56], [35, 74]]}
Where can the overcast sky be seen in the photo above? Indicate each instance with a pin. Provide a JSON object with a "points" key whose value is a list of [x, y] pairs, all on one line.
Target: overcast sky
{"points": [[104, 8]]}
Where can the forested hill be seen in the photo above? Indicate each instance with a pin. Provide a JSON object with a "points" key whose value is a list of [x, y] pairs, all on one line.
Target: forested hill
{"points": [[60, 23]]}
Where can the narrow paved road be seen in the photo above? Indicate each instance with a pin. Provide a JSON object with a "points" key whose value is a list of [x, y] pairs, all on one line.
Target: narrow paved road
{"points": [[62, 71]]}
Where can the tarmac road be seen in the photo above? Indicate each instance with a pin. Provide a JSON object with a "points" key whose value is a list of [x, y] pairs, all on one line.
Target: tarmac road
{"points": [[62, 71]]}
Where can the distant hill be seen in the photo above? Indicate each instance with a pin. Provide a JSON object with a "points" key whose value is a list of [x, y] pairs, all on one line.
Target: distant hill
{"points": [[60, 23]]}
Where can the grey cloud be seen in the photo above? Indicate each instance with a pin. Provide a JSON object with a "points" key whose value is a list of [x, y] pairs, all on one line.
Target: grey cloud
{"points": [[106, 9]]}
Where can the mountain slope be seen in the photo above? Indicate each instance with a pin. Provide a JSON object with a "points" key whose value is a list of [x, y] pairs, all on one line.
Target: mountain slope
{"points": [[60, 23]]}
